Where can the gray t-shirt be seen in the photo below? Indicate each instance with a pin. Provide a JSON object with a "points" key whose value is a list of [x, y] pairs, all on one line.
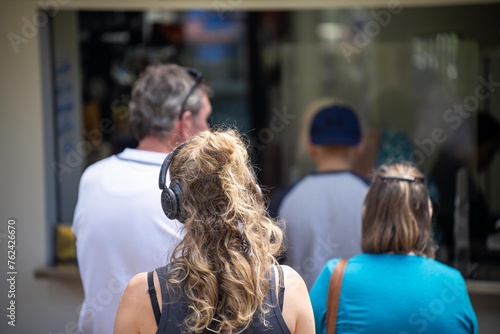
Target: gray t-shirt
{"points": [[322, 214]]}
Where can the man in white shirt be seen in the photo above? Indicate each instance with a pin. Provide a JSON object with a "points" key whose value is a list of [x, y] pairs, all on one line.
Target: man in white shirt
{"points": [[119, 223], [322, 212]]}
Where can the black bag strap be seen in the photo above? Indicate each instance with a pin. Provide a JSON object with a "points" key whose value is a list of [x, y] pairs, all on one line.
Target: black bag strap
{"points": [[154, 298]]}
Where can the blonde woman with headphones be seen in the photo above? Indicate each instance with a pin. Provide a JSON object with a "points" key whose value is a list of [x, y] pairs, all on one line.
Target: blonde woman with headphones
{"points": [[223, 276]]}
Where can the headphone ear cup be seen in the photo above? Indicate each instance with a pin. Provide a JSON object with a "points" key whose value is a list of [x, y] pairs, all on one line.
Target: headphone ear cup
{"points": [[168, 203], [171, 199], [176, 188]]}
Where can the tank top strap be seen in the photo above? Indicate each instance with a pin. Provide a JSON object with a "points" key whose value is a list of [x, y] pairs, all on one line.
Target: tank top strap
{"points": [[153, 298], [174, 305], [281, 280]]}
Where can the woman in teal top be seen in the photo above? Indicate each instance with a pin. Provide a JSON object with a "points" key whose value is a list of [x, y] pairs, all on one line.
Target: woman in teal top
{"points": [[395, 286]]}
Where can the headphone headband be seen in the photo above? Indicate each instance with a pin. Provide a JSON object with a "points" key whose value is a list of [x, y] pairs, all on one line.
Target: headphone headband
{"points": [[162, 181], [172, 196]]}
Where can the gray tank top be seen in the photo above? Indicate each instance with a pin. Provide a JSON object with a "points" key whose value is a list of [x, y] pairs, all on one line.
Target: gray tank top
{"points": [[175, 307]]}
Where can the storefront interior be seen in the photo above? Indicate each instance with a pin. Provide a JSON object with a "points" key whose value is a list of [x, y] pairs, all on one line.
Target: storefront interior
{"points": [[417, 73]]}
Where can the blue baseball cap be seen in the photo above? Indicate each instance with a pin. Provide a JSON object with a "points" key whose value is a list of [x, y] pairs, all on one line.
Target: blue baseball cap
{"points": [[335, 125]]}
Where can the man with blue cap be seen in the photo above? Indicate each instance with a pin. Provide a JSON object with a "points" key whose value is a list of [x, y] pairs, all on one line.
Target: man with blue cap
{"points": [[322, 212]]}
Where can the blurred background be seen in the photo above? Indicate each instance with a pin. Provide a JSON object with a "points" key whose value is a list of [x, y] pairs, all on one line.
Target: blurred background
{"points": [[417, 73]]}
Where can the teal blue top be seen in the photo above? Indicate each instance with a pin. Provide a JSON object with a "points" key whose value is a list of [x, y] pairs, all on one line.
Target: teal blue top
{"points": [[400, 294]]}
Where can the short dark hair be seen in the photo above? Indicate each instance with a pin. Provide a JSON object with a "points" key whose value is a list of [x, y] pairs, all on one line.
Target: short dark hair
{"points": [[157, 97]]}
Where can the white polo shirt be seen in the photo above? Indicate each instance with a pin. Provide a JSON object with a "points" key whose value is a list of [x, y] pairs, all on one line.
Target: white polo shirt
{"points": [[120, 230]]}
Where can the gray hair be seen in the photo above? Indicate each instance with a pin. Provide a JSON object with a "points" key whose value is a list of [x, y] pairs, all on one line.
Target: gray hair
{"points": [[157, 97]]}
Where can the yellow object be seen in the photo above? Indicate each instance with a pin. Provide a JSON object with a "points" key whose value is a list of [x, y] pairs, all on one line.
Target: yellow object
{"points": [[65, 244]]}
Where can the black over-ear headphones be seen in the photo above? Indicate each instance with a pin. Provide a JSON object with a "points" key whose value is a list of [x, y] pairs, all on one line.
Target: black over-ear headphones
{"points": [[171, 196]]}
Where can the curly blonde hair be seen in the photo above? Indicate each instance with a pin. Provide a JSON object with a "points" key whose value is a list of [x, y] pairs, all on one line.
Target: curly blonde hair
{"points": [[224, 261]]}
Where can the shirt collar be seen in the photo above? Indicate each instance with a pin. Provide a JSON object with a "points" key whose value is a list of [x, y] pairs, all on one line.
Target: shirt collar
{"points": [[141, 156]]}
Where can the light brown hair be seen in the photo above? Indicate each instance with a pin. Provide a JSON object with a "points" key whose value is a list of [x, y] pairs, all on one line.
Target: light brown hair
{"points": [[224, 261], [397, 212]]}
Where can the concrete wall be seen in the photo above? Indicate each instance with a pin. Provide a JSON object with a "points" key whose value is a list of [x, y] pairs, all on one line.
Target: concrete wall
{"points": [[42, 306]]}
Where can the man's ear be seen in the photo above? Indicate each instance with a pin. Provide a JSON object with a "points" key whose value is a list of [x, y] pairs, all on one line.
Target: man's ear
{"points": [[361, 147], [312, 150], [186, 125]]}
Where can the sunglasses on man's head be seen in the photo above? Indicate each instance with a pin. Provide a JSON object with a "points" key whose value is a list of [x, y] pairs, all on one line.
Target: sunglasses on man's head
{"points": [[198, 78]]}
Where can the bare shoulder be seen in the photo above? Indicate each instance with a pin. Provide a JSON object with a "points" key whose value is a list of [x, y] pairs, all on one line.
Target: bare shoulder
{"points": [[137, 286], [289, 270], [295, 287], [134, 309], [297, 310], [291, 276]]}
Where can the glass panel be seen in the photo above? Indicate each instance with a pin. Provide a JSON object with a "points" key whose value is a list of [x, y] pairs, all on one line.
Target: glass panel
{"points": [[417, 101], [407, 89]]}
